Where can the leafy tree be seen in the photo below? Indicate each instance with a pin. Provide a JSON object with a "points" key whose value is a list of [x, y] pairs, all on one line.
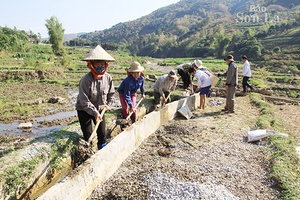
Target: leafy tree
{"points": [[222, 42], [12, 39], [56, 34]]}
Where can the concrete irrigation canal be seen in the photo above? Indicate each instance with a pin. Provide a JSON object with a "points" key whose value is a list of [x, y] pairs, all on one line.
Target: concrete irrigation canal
{"points": [[102, 165]]}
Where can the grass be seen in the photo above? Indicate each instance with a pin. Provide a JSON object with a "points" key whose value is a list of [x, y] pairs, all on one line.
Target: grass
{"points": [[21, 99], [266, 119], [285, 169], [285, 162], [16, 177], [213, 65]]}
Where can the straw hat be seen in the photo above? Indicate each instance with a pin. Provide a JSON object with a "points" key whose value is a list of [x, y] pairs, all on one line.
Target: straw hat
{"points": [[99, 54], [198, 63], [135, 67]]}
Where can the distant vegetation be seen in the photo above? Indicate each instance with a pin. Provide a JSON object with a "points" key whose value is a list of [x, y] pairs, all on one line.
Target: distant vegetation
{"points": [[205, 28]]}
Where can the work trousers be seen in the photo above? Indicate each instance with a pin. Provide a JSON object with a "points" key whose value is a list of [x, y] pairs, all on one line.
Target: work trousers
{"points": [[85, 121], [246, 84], [125, 107], [230, 97], [157, 97], [185, 78]]}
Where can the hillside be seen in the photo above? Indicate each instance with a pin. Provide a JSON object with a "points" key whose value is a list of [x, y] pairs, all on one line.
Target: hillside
{"points": [[201, 28]]}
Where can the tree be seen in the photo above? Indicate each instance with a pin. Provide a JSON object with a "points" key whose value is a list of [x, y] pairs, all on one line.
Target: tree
{"points": [[221, 43], [56, 34], [12, 39]]}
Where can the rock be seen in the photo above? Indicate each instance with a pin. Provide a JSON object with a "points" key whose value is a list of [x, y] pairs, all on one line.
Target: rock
{"points": [[26, 125], [152, 77], [298, 151], [213, 94], [59, 100], [266, 92], [164, 152], [279, 103]]}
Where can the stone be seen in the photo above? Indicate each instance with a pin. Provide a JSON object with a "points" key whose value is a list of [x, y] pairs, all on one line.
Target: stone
{"points": [[26, 125]]}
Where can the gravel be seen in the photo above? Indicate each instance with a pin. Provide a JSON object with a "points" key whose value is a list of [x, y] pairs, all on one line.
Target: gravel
{"points": [[206, 159]]}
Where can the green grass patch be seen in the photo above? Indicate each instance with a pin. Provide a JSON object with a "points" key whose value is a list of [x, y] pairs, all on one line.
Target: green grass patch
{"points": [[267, 118], [17, 177], [285, 169], [285, 162]]}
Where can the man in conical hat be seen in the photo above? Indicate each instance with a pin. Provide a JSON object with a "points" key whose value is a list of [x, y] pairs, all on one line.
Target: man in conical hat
{"points": [[96, 91]]}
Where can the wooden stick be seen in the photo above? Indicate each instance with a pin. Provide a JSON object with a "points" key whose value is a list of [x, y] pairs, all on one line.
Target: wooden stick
{"points": [[191, 80], [127, 118], [97, 125], [164, 103]]}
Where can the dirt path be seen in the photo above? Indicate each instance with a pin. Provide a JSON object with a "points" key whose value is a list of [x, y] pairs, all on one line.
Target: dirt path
{"points": [[208, 160]]}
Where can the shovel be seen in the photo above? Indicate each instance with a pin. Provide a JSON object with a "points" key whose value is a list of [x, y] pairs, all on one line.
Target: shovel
{"points": [[128, 117], [192, 89], [122, 124], [85, 149], [163, 103], [97, 125]]}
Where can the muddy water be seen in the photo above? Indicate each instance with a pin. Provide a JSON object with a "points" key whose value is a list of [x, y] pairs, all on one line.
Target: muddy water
{"points": [[38, 130]]}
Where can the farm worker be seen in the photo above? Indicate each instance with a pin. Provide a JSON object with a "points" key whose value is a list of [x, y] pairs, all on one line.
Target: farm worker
{"points": [[128, 89], [183, 71], [96, 91], [162, 87], [203, 82], [231, 83], [246, 74]]}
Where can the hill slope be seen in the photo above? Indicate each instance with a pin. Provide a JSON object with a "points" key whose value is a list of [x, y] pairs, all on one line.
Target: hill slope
{"points": [[191, 27]]}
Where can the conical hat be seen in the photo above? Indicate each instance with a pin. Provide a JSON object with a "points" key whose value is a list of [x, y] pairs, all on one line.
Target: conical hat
{"points": [[99, 54]]}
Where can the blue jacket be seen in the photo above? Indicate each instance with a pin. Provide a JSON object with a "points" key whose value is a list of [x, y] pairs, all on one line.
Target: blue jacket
{"points": [[130, 86]]}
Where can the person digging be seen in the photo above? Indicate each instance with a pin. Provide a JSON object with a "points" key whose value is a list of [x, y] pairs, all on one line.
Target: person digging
{"points": [[96, 91], [163, 87], [204, 85]]}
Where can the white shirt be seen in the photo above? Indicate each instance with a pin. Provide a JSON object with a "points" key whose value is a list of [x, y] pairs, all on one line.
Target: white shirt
{"points": [[203, 80], [163, 84], [246, 69]]}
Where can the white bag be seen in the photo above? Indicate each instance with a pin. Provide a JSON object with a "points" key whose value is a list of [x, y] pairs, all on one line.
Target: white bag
{"points": [[257, 135]]}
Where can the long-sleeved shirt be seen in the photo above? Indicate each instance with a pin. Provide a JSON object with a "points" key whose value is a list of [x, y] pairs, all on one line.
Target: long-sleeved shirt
{"points": [[203, 79], [185, 67], [163, 84], [94, 93], [232, 74], [130, 86], [246, 69]]}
